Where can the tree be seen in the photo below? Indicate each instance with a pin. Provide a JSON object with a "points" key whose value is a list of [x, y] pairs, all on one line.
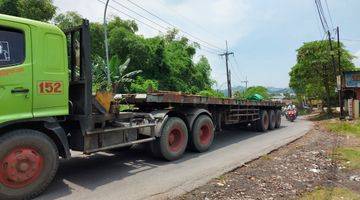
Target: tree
{"points": [[313, 76], [42, 10], [251, 91], [68, 20]]}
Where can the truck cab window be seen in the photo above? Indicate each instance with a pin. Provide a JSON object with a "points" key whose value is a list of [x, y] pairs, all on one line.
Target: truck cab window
{"points": [[12, 47]]}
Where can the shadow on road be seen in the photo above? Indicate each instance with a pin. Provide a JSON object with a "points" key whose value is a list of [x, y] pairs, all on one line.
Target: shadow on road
{"points": [[90, 172]]}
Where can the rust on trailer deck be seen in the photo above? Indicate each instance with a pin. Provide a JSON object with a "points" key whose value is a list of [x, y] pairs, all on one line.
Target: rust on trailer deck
{"points": [[180, 98]]}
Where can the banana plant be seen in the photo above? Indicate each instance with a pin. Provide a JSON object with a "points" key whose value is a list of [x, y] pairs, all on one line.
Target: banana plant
{"points": [[118, 75]]}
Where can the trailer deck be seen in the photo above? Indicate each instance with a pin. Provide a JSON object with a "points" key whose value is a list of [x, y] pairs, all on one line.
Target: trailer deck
{"points": [[180, 98]]}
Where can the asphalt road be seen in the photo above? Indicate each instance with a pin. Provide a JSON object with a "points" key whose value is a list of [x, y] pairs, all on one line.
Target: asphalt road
{"points": [[134, 174]]}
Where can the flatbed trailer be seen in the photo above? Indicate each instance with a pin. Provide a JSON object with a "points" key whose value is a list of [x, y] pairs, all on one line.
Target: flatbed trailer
{"points": [[48, 108], [224, 111]]}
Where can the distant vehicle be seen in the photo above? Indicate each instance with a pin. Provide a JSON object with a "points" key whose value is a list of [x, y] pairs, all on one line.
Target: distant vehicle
{"points": [[291, 115]]}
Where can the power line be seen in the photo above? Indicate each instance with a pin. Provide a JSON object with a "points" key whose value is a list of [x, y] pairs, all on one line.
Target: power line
{"points": [[329, 13], [168, 23], [138, 14], [321, 16], [199, 26], [131, 17], [209, 49], [142, 16]]}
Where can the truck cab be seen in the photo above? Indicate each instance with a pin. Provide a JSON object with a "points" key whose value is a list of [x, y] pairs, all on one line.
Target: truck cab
{"points": [[33, 70]]}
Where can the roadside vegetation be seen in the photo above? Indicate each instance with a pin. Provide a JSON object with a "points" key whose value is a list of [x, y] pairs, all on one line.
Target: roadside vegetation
{"points": [[343, 127], [331, 194]]}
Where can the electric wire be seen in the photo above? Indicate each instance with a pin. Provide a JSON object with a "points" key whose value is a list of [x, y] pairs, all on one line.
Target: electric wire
{"points": [[176, 27], [199, 26], [209, 49], [329, 13], [321, 16], [152, 21]]}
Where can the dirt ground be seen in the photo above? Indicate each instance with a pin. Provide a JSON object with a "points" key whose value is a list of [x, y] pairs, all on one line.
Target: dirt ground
{"points": [[290, 172]]}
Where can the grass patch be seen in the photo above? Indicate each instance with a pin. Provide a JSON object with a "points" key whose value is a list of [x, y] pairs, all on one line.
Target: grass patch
{"points": [[350, 157], [331, 194], [266, 157], [343, 127]]}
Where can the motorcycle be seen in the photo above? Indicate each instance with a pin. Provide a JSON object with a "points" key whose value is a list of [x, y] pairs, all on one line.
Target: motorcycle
{"points": [[291, 115]]}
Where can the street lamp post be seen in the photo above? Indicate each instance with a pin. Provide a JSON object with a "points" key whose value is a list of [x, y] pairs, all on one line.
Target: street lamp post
{"points": [[106, 45]]}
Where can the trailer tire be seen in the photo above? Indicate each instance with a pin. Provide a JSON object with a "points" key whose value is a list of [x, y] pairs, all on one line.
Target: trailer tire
{"points": [[28, 163], [202, 135], [278, 118], [262, 124], [173, 140], [272, 119]]}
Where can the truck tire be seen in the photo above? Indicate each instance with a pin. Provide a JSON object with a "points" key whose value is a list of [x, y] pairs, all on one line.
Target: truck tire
{"points": [[262, 124], [272, 119], [173, 140], [28, 163], [202, 135], [278, 118]]}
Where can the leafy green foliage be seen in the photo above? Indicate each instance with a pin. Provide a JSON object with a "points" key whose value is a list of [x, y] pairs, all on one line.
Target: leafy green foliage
{"points": [[313, 76], [68, 20], [164, 59], [140, 85], [251, 91], [211, 93], [42, 10]]}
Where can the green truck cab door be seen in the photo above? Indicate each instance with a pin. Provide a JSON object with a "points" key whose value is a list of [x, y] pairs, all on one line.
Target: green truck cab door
{"points": [[15, 71]]}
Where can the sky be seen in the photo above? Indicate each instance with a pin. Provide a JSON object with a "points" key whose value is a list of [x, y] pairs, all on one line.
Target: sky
{"points": [[263, 35]]}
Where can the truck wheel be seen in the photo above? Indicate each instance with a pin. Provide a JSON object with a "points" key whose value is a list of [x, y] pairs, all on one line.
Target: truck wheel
{"points": [[174, 138], [278, 119], [262, 124], [272, 119], [28, 163], [203, 134]]}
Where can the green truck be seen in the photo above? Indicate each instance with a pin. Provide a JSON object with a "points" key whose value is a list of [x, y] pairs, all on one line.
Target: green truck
{"points": [[48, 109]]}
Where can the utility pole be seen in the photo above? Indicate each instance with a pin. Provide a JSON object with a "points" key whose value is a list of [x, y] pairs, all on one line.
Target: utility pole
{"points": [[106, 45], [334, 72], [246, 83], [228, 75], [339, 74], [332, 55]]}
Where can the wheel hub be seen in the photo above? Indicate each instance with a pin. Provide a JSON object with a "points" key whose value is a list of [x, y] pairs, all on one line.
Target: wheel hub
{"points": [[205, 134], [20, 167], [175, 139]]}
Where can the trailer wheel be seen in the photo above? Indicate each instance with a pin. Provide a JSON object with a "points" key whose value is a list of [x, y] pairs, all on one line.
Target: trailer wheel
{"points": [[262, 124], [278, 119], [28, 163], [174, 138], [202, 134], [272, 119]]}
